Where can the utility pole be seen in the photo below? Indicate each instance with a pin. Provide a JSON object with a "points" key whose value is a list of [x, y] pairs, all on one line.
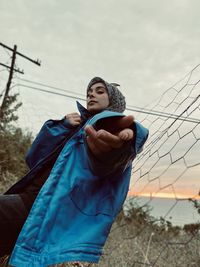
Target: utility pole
{"points": [[8, 67], [12, 69], [10, 77]]}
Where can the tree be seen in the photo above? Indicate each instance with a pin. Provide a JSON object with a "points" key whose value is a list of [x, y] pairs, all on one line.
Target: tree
{"points": [[7, 112], [13, 143]]}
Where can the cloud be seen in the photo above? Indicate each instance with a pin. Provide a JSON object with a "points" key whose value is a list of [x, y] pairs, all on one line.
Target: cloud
{"points": [[144, 46]]}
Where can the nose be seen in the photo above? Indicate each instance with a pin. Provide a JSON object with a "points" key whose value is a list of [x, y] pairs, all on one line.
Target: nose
{"points": [[91, 94]]}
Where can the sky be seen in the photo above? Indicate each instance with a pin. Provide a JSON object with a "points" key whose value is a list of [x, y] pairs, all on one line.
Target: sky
{"points": [[145, 46]]}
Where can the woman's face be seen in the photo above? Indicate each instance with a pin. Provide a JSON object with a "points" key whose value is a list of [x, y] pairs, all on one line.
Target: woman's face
{"points": [[97, 98]]}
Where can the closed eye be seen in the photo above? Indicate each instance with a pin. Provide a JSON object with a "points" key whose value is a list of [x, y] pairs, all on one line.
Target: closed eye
{"points": [[100, 92]]}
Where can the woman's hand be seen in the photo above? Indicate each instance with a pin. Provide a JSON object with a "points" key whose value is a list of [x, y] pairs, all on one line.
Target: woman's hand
{"points": [[74, 118], [126, 134], [103, 141]]}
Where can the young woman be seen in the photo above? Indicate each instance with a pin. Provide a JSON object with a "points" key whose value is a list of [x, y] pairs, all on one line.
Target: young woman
{"points": [[80, 168]]}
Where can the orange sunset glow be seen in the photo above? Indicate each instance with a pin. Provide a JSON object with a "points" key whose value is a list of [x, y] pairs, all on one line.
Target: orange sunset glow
{"points": [[160, 194]]}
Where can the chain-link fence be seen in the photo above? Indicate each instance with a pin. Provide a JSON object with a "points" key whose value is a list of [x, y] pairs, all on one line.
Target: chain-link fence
{"points": [[159, 225]]}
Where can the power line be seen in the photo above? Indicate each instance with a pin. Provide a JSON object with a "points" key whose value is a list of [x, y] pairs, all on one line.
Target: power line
{"points": [[163, 114], [50, 92], [130, 108], [52, 87]]}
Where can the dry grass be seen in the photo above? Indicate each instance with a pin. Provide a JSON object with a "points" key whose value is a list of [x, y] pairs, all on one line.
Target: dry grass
{"points": [[133, 245], [146, 245]]}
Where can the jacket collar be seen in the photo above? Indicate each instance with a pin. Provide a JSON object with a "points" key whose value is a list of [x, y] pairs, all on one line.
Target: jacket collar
{"points": [[85, 114]]}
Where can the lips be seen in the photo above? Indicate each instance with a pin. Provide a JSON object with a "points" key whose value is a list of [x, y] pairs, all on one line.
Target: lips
{"points": [[92, 102]]}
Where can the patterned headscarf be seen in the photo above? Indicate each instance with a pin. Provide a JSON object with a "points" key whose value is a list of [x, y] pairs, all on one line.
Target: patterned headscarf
{"points": [[116, 99]]}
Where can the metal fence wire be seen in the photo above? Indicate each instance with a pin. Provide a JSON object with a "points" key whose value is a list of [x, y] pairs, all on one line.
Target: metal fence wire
{"points": [[159, 225]]}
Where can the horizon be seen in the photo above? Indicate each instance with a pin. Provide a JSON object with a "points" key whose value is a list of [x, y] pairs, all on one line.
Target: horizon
{"points": [[179, 196]]}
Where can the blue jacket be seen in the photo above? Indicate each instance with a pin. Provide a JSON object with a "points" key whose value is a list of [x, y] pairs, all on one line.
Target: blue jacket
{"points": [[74, 210]]}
